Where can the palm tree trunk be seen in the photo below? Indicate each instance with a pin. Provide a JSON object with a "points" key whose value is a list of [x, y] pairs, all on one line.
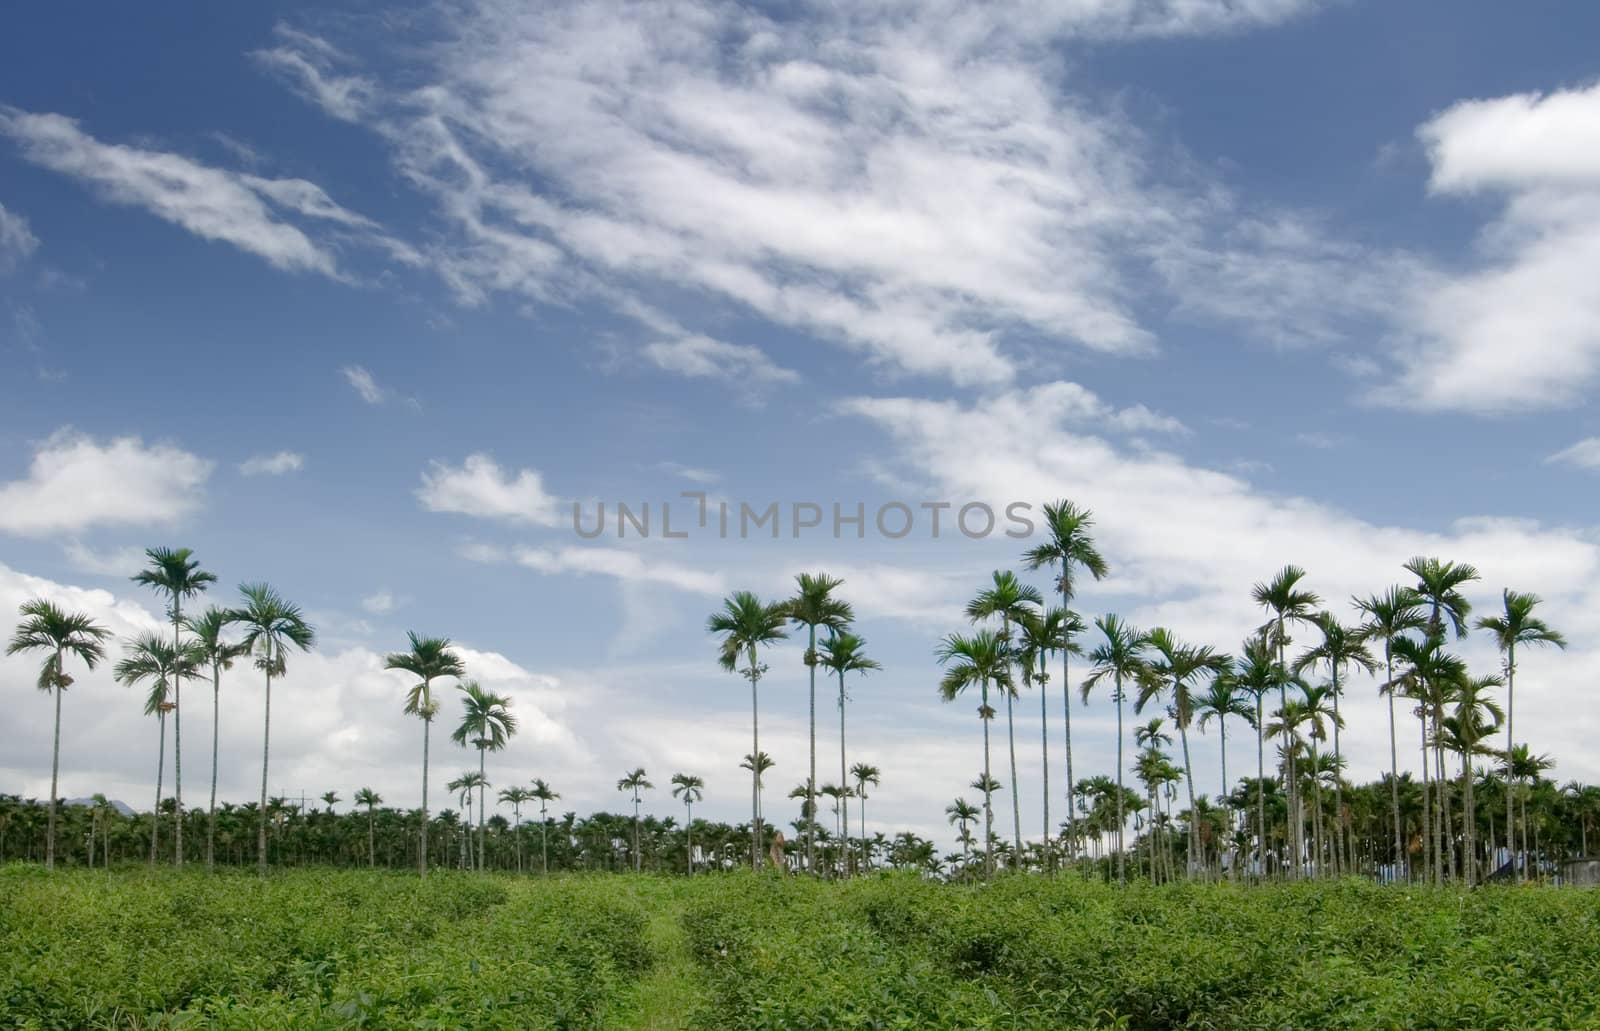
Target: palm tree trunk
{"points": [[1429, 873], [1044, 762], [755, 767], [1468, 818], [1066, 718], [867, 852], [544, 842], [177, 736], [811, 775], [1122, 869], [849, 857], [211, 812], [1400, 856], [1227, 806], [1511, 743], [1194, 813], [1447, 851], [1016, 802], [266, 741], [688, 830], [155, 814], [422, 844], [1261, 801], [636, 863], [55, 770], [988, 808], [482, 776], [372, 848]]}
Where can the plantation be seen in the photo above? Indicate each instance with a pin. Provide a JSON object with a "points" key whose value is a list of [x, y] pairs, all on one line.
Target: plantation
{"points": [[369, 949]]}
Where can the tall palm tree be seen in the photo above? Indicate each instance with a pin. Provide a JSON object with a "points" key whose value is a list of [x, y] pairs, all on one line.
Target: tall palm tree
{"points": [[691, 789], [863, 774], [758, 763], [1321, 711], [1474, 718], [960, 813], [813, 605], [163, 665], [1256, 673], [1069, 547], [46, 627], [1222, 698], [1429, 675], [1176, 673], [542, 792], [271, 627], [1390, 615], [516, 797], [979, 659], [1516, 625], [1121, 660], [371, 799], [1039, 635], [429, 659], [464, 785], [842, 653], [174, 573], [217, 655], [1339, 650], [1287, 602], [1439, 588], [635, 781], [487, 723], [1012, 601], [746, 623]]}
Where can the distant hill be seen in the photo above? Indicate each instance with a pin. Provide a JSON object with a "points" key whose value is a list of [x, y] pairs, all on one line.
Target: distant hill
{"points": [[120, 806]]}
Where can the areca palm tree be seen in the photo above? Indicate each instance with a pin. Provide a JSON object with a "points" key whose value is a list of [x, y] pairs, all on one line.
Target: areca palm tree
{"points": [[691, 789], [1287, 602], [1516, 625], [1321, 712], [813, 605], [758, 763], [1177, 671], [371, 799], [516, 797], [1012, 601], [1339, 650], [217, 655], [1474, 718], [960, 814], [48, 628], [542, 792], [487, 723], [175, 573], [1120, 659], [1256, 672], [271, 627], [1039, 635], [635, 781], [151, 659], [979, 659], [464, 786], [863, 774], [429, 659], [842, 653], [746, 623], [1389, 616], [1222, 698], [1069, 547], [1439, 588], [1429, 674]]}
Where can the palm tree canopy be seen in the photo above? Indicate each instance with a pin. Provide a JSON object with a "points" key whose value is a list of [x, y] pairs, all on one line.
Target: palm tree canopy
{"points": [[759, 765], [1438, 585], [688, 787], [154, 659], [634, 780], [368, 797], [844, 653], [486, 718], [1518, 625], [1006, 598], [47, 627], [813, 604], [213, 650], [1222, 698], [973, 659], [174, 571], [1340, 648], [1390, 614], [428, 659], [745, 622], [1176, 670], [1068, 544], [542, 792], [1120, 657], [271, 625], [864, 774], [1286, 600]]}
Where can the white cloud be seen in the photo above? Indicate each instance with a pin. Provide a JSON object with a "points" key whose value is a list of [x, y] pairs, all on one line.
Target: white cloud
{"points": [[363, 383], [243, 210], [308, 64], [1523, 328], [689, 472], [272, 465], [479, 487], [119, 563], [75, 482], [17, 241], [1585, 454], [380, 603], [623, 565], [701, 357]]}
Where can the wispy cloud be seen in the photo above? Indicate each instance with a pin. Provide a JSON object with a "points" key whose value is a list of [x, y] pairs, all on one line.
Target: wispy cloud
{"points": [[1585, 454], [272, 465], [17, 241], [363, 383]]}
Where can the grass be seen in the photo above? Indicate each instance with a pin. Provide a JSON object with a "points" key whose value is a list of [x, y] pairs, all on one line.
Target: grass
{"points": [[351, 949]]}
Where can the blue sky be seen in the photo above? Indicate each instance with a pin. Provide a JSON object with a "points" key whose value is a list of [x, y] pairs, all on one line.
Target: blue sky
{"points": [[1259, 282]]}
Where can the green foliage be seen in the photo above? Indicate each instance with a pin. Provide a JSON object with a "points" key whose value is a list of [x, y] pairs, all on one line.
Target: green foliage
{"points": [[351, 949]]}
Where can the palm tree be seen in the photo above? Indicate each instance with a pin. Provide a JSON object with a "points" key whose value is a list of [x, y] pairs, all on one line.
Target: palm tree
{"points": [[1121, 660], [1012, 601], [1256, 673], [1223, 697], [1516, 625], [516, 796], [978, 659], [151, 659], [215, 653], [1390, 615], [1429, 675], [1175, 674], [1475, 717], [46, 627], [635, 782], [1287, 602], [746, 623], [1068, 547], [1321, 709], [464, 785], [1041, 634], [1340, 648], [691, 789], [864, 774], [174, 572], [813, 605], [542, 792], [271, 626], [487, 723], [842, 653], [429, 659], [758, 763], [1438, 588], [371, 799], [961, 813]]}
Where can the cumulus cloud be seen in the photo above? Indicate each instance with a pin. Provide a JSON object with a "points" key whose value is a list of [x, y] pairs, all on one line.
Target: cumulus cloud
{"points": [[272, 465], [479, 487], [75, 482]]}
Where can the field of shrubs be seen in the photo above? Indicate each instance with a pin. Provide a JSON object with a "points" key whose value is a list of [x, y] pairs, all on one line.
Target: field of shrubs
{"points": [[355, 950]]}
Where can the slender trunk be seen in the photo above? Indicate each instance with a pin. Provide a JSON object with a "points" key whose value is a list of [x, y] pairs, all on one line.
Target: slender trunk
{"points": [[1338, 784], [372, 848], [266, 752], [636, 863], [1066, 717], [688, 830], [55, 770], [1194, 813], [1317, 831], [867, 852], [1122, 869], [482, 776], [177, 735], [211, 811], [1044, 757], [988, 808], [155, 814], [1468, 819], [849, 857], [1447, 850], [755, 767], [1227, 806], [1400, 856], [1261, 801], [422, 844], [1016, 802], [1429, 872], [544, 842], [1511, 743], [811, 775]]}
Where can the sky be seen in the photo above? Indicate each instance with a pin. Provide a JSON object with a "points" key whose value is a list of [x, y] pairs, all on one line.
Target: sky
{"points": [[363, 300]]}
